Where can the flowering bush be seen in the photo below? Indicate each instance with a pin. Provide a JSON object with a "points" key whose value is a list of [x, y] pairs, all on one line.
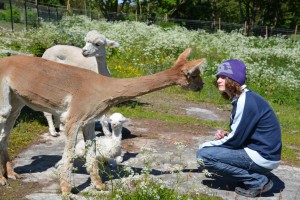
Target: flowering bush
{"points": [[272, 64]]}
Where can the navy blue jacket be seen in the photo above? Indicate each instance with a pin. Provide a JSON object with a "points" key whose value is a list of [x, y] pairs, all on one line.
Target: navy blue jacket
{"points": [[255, 128]]}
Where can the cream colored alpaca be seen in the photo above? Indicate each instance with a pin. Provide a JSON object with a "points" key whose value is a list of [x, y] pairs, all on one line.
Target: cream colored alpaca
{"points": [[92, 57], [79, 96]]}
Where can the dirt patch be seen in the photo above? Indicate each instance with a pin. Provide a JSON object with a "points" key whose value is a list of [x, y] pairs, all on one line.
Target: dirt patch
{"points": [[17, 189], [147, 129]]}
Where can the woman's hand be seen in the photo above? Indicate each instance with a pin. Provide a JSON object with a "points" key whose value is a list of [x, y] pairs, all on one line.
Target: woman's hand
{"points": [[220, 134]]}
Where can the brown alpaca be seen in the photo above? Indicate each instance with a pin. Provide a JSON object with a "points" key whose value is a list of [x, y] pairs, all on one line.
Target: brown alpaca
{"points": [[79, 96]]}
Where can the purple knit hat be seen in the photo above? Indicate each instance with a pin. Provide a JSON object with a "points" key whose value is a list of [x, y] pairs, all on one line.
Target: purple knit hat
{"points": [[234, 69]]}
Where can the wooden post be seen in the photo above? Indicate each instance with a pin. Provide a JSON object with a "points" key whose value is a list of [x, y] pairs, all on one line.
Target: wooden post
{"points": [[295, 35], [219, 23], [26, 22], [245, 28], [68, 7], [166, 17], [136, 14], [266, 36], [11, 16]]}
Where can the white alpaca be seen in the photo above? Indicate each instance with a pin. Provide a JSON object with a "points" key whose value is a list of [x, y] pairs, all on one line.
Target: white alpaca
{"points": [[107, 147], [91, 57]]}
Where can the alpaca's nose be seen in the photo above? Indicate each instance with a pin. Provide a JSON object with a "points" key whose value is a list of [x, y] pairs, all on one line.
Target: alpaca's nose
{"points": [[84, 52]]}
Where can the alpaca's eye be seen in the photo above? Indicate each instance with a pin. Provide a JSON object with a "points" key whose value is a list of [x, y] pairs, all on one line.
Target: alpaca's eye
{"points": [[98, 44]]}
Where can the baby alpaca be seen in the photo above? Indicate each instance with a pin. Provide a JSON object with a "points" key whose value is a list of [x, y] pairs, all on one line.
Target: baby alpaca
{"points": [[107, 147]]}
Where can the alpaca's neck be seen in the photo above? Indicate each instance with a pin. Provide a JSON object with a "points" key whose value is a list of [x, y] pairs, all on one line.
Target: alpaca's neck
{"points": [[102, 66], [117, 133], [128, 88]]}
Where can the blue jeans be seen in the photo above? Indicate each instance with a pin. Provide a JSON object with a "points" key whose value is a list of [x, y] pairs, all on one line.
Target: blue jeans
{"points": [[234, 164]]}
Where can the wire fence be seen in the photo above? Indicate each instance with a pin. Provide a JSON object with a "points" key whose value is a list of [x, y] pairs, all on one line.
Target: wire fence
{"points": [[30, 13]]}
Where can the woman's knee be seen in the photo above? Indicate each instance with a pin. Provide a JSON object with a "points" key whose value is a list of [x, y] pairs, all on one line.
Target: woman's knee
{"points": [[200, 154], [203, 154]]}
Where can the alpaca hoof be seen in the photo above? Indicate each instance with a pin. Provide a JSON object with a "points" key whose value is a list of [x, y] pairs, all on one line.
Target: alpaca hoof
{"points": [[54, 134], [100, 186], [13, 176], [2, 181], [67, 196]]}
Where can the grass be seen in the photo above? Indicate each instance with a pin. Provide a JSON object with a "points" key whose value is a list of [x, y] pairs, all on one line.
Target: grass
{"points": [[28, 127], [16, 26], [289, 118], [147, 188]]}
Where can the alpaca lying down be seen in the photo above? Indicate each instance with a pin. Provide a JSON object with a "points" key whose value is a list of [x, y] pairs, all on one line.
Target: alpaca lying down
{"points": [[108, 148]]}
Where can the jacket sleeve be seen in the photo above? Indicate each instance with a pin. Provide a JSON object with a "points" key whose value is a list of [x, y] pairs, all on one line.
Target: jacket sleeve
{"points": [[242, 126]]}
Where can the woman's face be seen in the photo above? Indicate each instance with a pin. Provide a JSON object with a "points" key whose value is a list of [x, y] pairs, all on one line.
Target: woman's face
{"points": [[221, 83]]}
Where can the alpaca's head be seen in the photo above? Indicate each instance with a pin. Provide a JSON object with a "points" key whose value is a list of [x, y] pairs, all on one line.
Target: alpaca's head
{"points": [[117, 120], [95, 44], [190, 74]]}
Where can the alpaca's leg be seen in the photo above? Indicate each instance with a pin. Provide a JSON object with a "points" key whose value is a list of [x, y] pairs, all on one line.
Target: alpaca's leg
{"points": [[59, 124], [92, 164], [10, 108], [5, 110], [68, 157], [52, 130], [2, 147], [105, 125]]}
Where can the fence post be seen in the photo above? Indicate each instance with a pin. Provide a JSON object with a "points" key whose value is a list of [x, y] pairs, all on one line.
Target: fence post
{"points": [[37, 11], [11, 17], [56, 13], [68, 7], [295, 35], [49, 12], [136, 15], [166, 18], [26, 22], [219, 23], [266, 36], [245, 28]]}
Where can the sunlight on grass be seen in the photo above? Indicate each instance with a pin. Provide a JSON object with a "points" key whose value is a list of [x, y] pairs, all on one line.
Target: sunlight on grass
{"points": [[24, 134]]}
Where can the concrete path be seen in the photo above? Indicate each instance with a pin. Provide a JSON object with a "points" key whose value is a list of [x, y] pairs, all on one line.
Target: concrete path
{"points": [[36, 164]]}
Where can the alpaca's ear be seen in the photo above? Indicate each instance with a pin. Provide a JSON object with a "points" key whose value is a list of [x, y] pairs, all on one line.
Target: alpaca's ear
{"points": [[124, 119], [197, 65], [183, 55], [111, 43]]}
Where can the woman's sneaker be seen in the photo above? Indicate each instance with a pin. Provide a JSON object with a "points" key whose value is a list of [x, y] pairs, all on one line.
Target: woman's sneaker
{"points": [[254, 192]]}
